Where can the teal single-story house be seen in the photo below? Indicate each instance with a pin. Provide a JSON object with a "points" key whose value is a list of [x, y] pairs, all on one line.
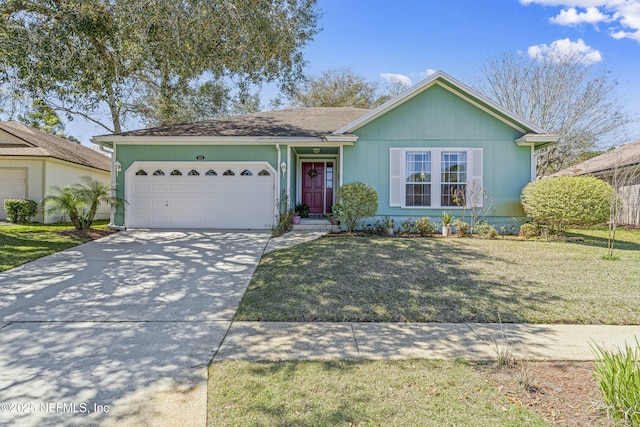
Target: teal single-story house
{"points": [[437, 139]]}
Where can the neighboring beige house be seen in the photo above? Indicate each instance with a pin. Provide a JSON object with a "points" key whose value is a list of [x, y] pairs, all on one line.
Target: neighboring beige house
{"points": [[622, 164], [31, 162]]}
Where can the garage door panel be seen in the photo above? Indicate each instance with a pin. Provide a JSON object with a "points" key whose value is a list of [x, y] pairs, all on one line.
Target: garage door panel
{"points": [[198, 200]]}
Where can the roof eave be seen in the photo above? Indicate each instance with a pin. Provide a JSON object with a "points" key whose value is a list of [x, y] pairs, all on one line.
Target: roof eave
{"points": [[538, 140], [110, 140]]}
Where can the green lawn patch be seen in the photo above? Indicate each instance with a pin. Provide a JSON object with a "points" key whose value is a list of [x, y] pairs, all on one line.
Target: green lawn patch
{"points": [[362, 393], [372, 279], [20, 244]]}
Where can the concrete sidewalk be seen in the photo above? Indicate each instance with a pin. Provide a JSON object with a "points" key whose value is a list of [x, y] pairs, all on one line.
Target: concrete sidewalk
{"points": [[472, 341]]}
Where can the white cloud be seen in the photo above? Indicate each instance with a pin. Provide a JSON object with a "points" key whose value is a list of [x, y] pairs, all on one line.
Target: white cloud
{"points": [[622, 16], [572, 16], [428, 72], [395, 78], [560, 48]]}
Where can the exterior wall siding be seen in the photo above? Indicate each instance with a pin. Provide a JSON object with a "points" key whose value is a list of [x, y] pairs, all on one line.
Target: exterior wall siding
{"points": [[440, 119]]}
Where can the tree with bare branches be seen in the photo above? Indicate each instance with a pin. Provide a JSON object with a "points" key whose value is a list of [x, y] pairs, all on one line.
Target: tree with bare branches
{"points": [[563, 94]]}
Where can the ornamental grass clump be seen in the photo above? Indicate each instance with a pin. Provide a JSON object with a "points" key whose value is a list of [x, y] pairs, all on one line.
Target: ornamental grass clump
{"points": [[618, 376]]}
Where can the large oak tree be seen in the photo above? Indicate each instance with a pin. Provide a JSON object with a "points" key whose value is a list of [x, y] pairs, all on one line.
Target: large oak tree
{"points": [[81, 56]]}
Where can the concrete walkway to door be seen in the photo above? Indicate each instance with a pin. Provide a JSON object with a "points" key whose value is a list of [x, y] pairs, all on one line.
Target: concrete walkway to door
{"points": [[119, 331]]}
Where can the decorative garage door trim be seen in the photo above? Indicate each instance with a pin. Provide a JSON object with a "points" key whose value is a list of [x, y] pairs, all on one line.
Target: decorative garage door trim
{"points": [[225, 195]]}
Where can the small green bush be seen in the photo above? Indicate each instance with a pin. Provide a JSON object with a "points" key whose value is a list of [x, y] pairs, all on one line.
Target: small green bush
{"points": [[530, 230], [19, 210], [484, 229], [425, 226], [408, 226], [355, 201], [567, 200], [462, 228], [618, 376]]}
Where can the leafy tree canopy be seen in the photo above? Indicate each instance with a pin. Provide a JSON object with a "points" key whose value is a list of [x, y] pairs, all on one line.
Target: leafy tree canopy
{"points": [[80, 56], [342, 88], [43, 117]]}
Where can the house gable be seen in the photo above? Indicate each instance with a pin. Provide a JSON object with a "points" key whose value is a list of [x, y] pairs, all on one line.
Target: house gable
{"points": [[439, 115], [437, 120]]}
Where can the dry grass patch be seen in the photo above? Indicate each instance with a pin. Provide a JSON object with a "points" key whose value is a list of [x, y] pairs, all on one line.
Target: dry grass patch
{"points": [[357, 393], [375, 279]]}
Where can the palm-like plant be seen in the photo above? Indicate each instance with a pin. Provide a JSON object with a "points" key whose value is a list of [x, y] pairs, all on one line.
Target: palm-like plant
{"points": [[93, 193], [81, 201], [67, 201]]}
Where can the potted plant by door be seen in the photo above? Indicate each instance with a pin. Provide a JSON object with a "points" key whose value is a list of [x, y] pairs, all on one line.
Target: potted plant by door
{"points": [[303, 210], [295, 219], [446, 219], [388, 224]]}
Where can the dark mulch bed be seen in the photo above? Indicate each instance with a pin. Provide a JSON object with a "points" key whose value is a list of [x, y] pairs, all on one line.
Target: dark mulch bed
{"points": [[88, 234], [564, 393]]}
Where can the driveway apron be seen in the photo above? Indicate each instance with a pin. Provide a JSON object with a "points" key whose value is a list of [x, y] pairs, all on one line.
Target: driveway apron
{"points": [[119, 331]]}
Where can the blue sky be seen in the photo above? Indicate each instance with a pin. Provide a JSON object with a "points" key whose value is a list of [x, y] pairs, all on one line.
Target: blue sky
{"points": [[408, 38]]}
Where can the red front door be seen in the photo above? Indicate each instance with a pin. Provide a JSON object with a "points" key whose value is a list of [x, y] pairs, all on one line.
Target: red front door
{"points": [[313, 186]]}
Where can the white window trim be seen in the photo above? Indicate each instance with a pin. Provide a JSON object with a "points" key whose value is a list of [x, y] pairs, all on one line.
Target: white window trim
{"points": [[399, 155]]}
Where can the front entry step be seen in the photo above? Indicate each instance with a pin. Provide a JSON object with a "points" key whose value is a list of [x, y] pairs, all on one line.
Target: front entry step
{"points": [[312, 224]]}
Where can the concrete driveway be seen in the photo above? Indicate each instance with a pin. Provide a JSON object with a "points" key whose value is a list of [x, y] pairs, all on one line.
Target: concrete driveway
{"points": [[119, 331]]}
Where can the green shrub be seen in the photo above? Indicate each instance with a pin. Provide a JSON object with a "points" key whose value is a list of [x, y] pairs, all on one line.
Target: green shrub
{"points": [[492, 233], [484, 229], [481, 228], [618, 376], [408, 226], [530, 230], [567, 200], [19, 210], [425, 226], [461, 227], [355, 201]]}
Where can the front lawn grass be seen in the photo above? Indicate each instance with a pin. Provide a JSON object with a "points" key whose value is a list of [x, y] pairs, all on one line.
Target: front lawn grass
{"points": [[21, 243], [374, 279], [363, 393]]}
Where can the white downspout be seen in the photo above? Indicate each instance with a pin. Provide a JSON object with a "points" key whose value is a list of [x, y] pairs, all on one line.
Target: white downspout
{"points": [[340, 154], [289, 174], [278, 185]]}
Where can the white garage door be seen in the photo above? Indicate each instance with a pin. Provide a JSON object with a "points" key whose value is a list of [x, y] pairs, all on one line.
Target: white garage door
{"points": [[200, 195], [13, 185]]}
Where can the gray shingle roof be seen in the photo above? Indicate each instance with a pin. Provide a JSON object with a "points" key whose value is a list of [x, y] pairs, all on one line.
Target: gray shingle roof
{"points": [[40, 144], [298, 122], [626, 155]]}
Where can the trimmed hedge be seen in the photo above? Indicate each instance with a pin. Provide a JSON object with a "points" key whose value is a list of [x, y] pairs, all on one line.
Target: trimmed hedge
{"points": [[567, 200], [20, 210]]}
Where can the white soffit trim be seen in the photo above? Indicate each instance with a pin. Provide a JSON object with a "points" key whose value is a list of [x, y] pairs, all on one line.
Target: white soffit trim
{"points": [[200, 140], [460, 89], [219, 140], [538, 140]]}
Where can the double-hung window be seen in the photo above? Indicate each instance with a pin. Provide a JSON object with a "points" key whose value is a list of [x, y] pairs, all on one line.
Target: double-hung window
{"points": [[434, 177], [453, 178], [418, 178]]}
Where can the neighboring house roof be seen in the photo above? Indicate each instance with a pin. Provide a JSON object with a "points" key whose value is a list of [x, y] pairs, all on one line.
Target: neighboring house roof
{"points": [[624, 156], [34, 143], [298, 122]]}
